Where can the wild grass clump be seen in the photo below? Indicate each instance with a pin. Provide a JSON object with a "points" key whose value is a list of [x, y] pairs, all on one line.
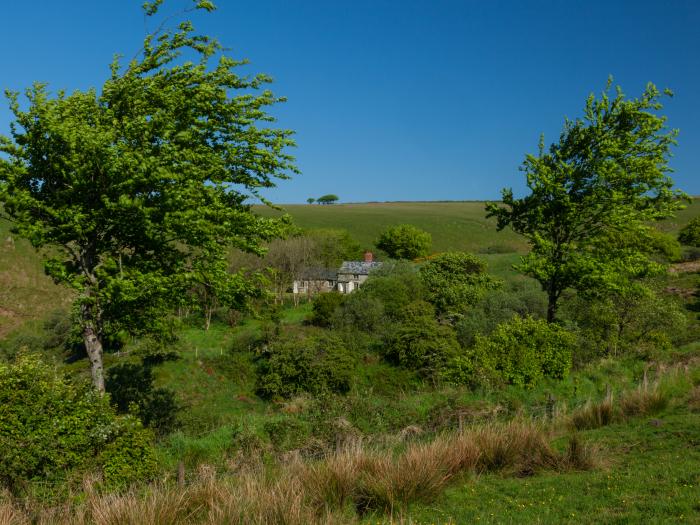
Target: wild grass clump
{"points": [[694, 399], [354, 480], [647, 399], [594, 415]]}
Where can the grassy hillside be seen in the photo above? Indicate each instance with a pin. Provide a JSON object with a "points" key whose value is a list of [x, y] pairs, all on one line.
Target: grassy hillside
{"points": [[26, 293], [453, 225]]}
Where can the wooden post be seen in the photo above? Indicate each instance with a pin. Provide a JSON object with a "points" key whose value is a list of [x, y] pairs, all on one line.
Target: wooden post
{"points": [[181, 474], [550, 406]]}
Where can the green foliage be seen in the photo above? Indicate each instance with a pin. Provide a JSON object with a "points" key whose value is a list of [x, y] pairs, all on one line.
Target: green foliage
{"points": [[324, 307], [524, 350], [523, 298], [131, 390], [50, 427], [405, 242], [312, 364], [592, 194], [455, 281], [129, 457], [310, 200], [635, 319], [690, 233], [395, 285], [327, 199], [334, 246], [140, 187], [419, 342]]}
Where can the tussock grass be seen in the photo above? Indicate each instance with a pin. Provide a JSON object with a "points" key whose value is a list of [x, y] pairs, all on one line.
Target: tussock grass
{"points": [[360, 477], [647, 399], [346, 484]]}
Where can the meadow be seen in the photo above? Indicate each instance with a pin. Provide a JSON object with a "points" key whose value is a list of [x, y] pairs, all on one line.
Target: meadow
{"points": [[616, 441]]}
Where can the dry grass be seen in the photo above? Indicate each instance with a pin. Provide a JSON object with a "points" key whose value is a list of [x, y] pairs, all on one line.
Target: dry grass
{"points": [[337, 489], [594, 415], [694, 399], [648, 398]]}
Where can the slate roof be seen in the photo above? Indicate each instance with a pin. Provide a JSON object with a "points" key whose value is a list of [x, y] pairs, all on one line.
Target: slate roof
{"points": [[319, 274], [358, 267]]}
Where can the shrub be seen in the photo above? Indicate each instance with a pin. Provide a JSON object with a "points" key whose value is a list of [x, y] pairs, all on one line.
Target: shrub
{"points": [[455, 281], [523, 298], [419, 342], [633, 319], [405, 242], [324, 307], [131, 390], [395, 285], [313, 364], [690, 233], [129, 457], [524, 350], [50, 426]]}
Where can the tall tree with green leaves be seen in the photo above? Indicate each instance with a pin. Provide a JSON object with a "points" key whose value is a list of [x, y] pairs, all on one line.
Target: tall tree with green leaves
{"points": [[592, 195], [136, 189]]}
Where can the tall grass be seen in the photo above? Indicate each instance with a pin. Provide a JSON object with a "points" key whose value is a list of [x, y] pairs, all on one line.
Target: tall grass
{"points": [[338, 489], [647, 399]]}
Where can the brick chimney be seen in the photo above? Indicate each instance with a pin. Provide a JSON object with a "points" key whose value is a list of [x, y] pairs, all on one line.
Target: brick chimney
{"points": [[369, 257]]}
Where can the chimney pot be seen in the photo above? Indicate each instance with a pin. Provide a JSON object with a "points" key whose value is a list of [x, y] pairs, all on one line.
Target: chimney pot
{"points": [[369, 257]]}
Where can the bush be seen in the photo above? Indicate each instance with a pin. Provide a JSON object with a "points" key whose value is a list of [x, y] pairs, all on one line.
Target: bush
{"points": [[50, 427], [690, 233], [313, 364], [524, 350], [324, 307], [405, 242], [131, 390], [523, 298], [393, 286], [455, 281], [634, 319], [419, 342]]}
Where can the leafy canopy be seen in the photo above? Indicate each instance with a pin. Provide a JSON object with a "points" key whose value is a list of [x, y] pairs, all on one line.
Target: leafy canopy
{"points": [[327, 199], [405, 241], [454, 281], [593, 193], [140, 187]]}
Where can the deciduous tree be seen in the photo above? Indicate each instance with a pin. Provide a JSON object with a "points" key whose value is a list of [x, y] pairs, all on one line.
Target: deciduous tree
{"points": [[405, 241], [592, 195], [136, 186]]}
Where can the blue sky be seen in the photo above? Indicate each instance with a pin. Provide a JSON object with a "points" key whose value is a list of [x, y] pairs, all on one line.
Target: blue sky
{"points": [[401, 100]]}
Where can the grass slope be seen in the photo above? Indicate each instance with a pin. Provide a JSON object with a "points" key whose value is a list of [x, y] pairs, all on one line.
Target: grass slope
{"points": [[453, 225], [652, 477]]}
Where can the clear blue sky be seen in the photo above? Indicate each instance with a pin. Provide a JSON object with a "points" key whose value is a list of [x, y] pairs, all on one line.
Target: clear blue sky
{"points": [[401, 100]]}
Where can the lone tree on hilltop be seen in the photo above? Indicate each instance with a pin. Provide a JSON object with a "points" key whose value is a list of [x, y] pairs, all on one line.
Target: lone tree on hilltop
{"points": [[140, 188], [405, 241], [592, 195], [327, 199]]}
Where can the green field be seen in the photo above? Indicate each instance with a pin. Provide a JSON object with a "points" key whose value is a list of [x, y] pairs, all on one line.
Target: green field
{"points": [[453, 225], [646, 467]]}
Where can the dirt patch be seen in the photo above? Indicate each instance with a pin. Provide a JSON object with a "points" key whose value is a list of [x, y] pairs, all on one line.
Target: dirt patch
{"points": [[4, 312], [685, 267]]}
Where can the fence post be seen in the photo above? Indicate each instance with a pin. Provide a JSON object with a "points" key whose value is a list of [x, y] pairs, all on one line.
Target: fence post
{"points": [[181, 474]]}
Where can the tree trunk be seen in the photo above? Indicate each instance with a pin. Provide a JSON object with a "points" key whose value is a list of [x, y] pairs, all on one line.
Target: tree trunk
{"points": [[93, 346], [208, 311]]}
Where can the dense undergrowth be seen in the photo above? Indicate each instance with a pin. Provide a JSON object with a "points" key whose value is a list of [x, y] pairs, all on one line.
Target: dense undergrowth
{"points": [[396, 475]]}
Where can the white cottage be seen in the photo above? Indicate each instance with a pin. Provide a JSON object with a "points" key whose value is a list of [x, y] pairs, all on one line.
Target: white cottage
{"points": [[353, 273]]}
